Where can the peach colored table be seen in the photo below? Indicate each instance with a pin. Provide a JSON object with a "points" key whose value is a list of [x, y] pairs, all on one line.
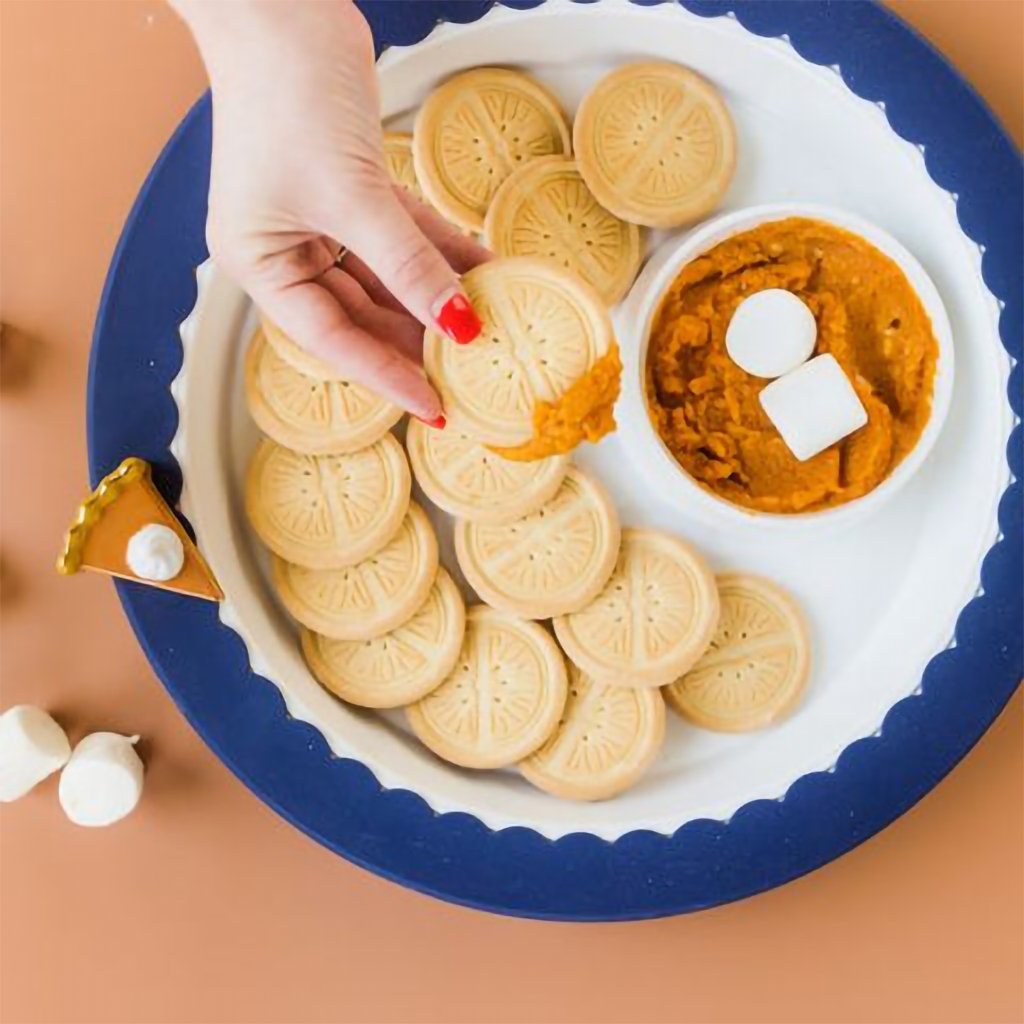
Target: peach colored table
{"points": [[205, 906]]}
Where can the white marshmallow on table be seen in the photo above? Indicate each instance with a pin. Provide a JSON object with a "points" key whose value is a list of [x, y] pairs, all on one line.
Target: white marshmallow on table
{"points": [[103, 780], [771, 333], [156, 553], [32, 746], [813, 407]]}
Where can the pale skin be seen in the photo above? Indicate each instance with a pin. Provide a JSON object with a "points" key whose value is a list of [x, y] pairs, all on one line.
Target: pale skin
{"points": [[298, 172]]}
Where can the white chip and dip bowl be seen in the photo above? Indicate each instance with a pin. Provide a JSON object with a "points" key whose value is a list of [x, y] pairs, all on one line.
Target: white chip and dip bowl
{"points": [[633, 322]]}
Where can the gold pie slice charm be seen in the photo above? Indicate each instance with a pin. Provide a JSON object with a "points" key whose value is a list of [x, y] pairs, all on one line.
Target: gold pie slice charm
{"points": [[125, 528]]}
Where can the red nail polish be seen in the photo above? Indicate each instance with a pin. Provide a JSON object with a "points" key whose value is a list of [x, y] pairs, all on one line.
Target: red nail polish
{"points": [[457, 319], [438, 422]]}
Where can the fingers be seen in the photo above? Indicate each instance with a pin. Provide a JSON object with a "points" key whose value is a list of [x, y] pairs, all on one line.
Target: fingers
{"points": [[396, 328], [407, 263], [372, 285], [309, 313], [463, 252]]}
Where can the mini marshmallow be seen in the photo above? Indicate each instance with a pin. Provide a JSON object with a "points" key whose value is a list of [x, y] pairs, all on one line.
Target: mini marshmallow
{"points": [[155, 553], [813, 407], [103, 780], [32, 746], [771, 333]]}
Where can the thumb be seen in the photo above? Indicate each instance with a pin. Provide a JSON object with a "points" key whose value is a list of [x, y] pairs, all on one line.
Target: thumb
{"points": [[309, 313], [393, 246]]}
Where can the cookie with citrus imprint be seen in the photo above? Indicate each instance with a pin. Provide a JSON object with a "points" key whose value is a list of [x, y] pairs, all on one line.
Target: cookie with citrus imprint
{"points": [[656, 144], [470, 481], [371, 597], [757, 664], [295, 355], [398, 162], [543, 330], [607, 738], [327, 511], [474, 130], [502, 699], [398, 667], [652, 621], [546, 210], [551, 562], [316, 417]]}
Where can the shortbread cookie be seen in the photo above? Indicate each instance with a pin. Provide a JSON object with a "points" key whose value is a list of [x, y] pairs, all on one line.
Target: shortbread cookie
{"points": [[399, 667], [652, 621], [327, 511], [296, 356], [543, 329], [309, 415], [757, 664], [502, 699], [473, 131], [655, 143], [607, 738], [371, 597], [398, 161], [545, 210], [551, 562], [468, 480]]}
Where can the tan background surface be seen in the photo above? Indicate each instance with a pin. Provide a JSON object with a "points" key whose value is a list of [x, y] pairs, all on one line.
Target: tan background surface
{"points": [[205, 906]]}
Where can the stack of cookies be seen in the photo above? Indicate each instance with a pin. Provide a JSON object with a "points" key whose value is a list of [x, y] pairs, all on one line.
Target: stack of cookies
{"points": [[584, 625], [541, 541], [355, 561], [652, 144]]}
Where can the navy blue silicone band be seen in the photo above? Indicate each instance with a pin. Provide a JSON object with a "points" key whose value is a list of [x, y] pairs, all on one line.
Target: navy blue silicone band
{"points": [[136, 353]]}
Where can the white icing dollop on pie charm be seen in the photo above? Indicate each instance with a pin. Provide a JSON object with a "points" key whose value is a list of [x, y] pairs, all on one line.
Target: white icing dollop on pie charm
{"points": [[155, 553]]}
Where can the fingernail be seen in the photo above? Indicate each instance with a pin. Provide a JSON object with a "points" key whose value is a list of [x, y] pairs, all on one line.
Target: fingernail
{"points": [[455, 316], [437, 422]]}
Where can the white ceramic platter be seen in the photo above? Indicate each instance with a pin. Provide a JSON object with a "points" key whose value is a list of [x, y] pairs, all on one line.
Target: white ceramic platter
{"points": [[882, 595]]}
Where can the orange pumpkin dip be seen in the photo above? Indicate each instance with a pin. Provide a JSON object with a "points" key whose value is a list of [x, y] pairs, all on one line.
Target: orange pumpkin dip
{"points": [[586, 412], [706, 408]]}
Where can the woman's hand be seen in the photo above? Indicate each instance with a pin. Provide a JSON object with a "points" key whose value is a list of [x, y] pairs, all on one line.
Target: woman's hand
{"points": [[298, 173]]}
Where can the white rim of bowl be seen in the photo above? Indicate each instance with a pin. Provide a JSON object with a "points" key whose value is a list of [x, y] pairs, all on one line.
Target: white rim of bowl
{"points": [[633, 323]]}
